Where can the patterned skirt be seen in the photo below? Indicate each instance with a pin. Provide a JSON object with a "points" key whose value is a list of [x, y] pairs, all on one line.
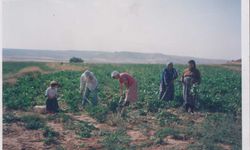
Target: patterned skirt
{"points": [[187, 93], [131, 93]]}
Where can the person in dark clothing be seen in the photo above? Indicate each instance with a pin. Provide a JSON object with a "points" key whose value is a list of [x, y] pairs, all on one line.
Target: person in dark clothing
{"points": [[52, 95], [191, 78], [167, 82]]}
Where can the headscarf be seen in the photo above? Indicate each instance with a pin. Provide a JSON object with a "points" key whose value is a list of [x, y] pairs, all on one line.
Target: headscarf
{"points": [[87, 73], [114, 73]]}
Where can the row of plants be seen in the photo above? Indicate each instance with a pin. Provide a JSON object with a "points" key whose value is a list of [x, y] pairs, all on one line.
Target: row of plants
{"points": [[219, 91]]}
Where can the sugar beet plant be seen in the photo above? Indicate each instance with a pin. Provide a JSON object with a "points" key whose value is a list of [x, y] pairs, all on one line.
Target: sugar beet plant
{"points": [[220, 89]]}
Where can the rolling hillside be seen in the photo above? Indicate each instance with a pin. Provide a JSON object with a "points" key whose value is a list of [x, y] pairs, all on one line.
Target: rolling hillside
{"points": [[99, 57]]}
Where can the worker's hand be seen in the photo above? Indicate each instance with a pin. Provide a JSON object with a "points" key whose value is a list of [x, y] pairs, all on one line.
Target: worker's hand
{"points": [[120, 101], [125, 103], [182, 80]]}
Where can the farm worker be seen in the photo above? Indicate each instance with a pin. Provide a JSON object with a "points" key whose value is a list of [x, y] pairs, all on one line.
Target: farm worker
{"points": [[191, 78], [52, 95], [89, 84], [130, 84], [167, 82]]}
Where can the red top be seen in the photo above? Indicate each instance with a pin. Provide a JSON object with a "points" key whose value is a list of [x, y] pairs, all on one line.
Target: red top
{"points": [[187, 72], [126, 79]]}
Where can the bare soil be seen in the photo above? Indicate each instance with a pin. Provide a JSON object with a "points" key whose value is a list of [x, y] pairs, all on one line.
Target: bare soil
{"points": [[16, 136]]}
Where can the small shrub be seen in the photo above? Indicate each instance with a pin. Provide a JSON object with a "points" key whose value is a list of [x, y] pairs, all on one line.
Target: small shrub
{"points": [[177, 102], [75, 60], [117, 140], [98, 112], [33, 122], [84, 129], [165, 117], [154, 105], [163, 133], [50, 136], [225, 130], [116, 120], [142, 112], [10, 118], [112, 105], [72, 101]]}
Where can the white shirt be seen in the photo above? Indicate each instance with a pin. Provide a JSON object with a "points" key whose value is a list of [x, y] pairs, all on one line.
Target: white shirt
{"points": [[51, 92], [90, 84]]}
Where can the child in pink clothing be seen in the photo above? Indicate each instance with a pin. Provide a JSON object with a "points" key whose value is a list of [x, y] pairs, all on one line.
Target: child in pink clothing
{"points": [[130, 84]]}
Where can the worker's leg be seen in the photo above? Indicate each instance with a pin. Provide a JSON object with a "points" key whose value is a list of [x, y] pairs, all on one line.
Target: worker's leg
{"points": [[85, 96]]}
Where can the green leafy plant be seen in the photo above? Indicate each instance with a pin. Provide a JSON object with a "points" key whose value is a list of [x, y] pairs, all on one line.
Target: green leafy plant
{"points": [[10, 118], [117, 140], [163, 133], [50, 136], [33, 122], [98, 112], [165, 117], [112, 105], [224, 128], [84, 129]]}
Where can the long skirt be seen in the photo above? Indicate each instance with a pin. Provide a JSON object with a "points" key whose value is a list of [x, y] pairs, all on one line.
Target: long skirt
{"points": [[131, 93], [167, 91], [187, 96], [52, 105]]}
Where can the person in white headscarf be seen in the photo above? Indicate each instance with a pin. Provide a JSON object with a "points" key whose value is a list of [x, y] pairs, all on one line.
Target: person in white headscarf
{"points": [[52, 95], [131, 86], [88, 85], [167, 82]]}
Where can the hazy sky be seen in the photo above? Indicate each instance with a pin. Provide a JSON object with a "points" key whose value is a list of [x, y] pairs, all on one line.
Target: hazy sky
{"points": [[200, 28]]}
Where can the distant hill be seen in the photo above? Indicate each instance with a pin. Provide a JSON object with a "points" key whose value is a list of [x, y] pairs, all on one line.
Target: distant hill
{"points": [[238, 61], [99, 57]]}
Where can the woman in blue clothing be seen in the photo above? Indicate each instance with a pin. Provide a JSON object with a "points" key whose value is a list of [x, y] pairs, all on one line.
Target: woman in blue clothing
{"points": [[167, 82]]}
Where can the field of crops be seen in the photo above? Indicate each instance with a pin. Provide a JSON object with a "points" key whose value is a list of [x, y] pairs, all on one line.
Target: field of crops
{"points": [[14, 67], [219, 103]]}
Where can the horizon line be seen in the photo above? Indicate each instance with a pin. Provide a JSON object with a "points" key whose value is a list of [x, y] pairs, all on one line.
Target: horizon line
{"points": [[107, 51]]}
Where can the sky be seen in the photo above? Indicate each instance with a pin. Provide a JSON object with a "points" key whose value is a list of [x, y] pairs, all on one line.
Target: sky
{"points": [[199, 28]]}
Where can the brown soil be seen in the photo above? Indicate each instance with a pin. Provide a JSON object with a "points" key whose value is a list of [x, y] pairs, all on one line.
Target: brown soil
{"points": [[170, 144], [225, 147], [69, 140], [136, 136], [15, 136]]}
